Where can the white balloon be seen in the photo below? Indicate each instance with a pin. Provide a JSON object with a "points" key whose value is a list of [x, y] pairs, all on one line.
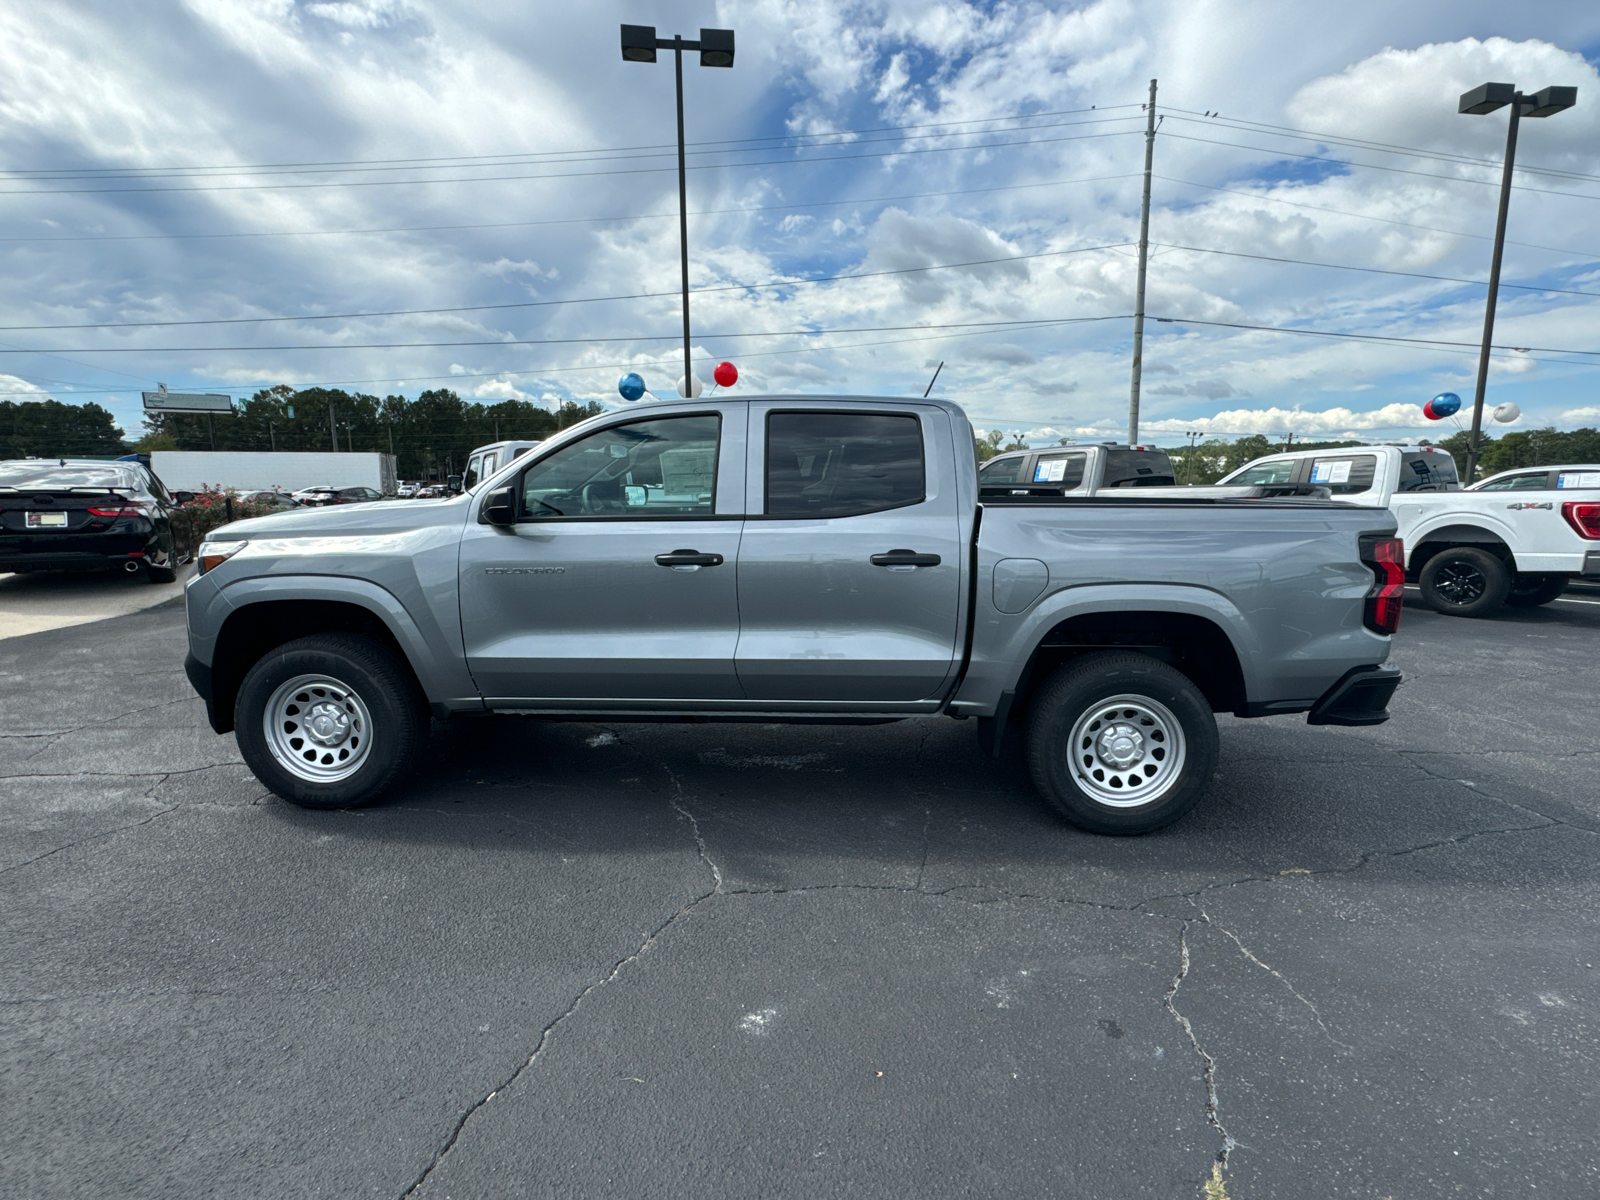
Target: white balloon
{"points": [[1507, 413], [694, 389]]}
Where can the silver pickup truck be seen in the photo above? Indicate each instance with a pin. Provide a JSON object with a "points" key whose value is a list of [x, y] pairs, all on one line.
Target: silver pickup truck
{"points": [[793, 559]]}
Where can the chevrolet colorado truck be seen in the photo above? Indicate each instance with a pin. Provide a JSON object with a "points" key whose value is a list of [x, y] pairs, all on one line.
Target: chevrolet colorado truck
{"points": [[793, 559], [1468, 551]]}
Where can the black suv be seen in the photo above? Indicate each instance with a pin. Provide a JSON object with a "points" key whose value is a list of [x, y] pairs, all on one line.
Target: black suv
{"points": [[61, 515]]}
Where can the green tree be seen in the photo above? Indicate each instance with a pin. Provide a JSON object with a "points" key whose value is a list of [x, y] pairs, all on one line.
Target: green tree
{"points": [[50, 429]]}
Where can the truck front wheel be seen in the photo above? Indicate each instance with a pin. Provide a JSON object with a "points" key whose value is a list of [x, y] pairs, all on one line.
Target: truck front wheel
{"points": [[330, 721], [1121, 743], [1463, 581]]}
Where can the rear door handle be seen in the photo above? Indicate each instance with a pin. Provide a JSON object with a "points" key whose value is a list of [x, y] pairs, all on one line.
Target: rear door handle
{"points": [[905, 558], [688, 558]]}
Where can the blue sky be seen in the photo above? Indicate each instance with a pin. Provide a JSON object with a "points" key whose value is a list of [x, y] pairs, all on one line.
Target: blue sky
{"points": [[215, 161]]}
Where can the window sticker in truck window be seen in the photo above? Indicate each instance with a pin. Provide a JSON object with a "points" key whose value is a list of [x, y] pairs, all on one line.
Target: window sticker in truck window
{"points": [[1331, 472], [1050, 471], [1578, 479]]}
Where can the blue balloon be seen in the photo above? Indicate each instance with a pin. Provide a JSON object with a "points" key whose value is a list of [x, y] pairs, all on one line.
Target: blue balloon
{"points": [[1445, 404], [631, 386]]}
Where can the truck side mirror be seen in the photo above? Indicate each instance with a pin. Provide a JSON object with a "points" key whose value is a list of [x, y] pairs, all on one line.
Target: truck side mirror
{"points": [[501, 507], [453, 482], [183, 497]]}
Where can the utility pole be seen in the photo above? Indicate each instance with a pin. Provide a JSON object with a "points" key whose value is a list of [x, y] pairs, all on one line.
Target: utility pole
{"points": [[333, 429], [1144, 262], [391, 437], [272, 435], [211, 428]]}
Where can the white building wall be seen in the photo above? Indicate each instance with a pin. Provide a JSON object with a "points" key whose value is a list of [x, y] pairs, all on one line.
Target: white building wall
{"points": [[192, 470]]}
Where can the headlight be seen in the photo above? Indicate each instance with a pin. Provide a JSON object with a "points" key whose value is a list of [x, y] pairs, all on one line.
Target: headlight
{"points": [[214, 554]]}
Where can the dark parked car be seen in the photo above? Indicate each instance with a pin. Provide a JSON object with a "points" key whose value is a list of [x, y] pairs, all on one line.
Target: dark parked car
{"points": [[323, 496], [60, 515], [280, 501]]}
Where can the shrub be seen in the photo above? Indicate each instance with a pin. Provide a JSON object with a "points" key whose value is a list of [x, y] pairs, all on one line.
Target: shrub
{"points": [[209, 509]]}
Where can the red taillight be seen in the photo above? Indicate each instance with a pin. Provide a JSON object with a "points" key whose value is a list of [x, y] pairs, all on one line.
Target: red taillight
{"points": [[1584, 516], [127, 508], [1387, 558]]}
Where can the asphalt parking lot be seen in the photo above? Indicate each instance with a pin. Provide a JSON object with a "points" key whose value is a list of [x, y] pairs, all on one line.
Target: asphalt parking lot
{"points": [[574, 960]]}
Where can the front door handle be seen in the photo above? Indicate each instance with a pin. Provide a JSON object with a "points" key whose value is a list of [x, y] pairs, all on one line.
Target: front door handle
{"points": [[905, 558], [688, 558]]}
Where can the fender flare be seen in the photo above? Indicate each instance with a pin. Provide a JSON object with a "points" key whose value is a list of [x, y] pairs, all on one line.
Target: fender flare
{"points": [[379, 601], [1458, 529], [1125, 598]]}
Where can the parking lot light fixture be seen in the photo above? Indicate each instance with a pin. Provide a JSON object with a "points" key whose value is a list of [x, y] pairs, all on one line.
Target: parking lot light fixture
{"points": [[1483, 99], [639, 44]]}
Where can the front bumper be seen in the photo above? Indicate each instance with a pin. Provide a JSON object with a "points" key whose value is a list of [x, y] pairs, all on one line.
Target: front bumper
{"points": [[1361, 697], [200, 679]]}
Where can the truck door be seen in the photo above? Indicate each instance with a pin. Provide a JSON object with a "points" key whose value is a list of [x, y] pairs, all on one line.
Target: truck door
{"points": [[851, 563], [617, 580]]}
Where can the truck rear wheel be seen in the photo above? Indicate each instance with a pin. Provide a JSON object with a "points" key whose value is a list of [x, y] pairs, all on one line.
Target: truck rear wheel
{"points": [[330, 721], [1120, 743], [1530, 591], [1463, 581]]}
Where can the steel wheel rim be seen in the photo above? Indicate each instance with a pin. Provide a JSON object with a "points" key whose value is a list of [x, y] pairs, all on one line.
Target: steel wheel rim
{"points": [[318, 728], [1126, 750], [1460, 583]]}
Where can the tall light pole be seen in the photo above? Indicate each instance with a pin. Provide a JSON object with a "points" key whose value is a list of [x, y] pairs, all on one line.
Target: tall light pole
{"points": [[1486, 98], [639, 44]]}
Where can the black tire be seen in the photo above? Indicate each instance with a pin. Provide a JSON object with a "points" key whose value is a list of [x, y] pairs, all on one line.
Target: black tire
{"points": [[1530, 591], [395, 720], [1128, 684], [1464, 581]]}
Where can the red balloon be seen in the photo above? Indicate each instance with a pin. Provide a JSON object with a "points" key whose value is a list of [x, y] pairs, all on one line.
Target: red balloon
{"points": [[1427, 411], [726, 374]]}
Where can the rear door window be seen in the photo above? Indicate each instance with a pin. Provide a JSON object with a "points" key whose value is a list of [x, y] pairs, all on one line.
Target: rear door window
{"points": [[1267, 472], [999, 471], [1426, 473], [1061, 470], [1345, 476], [1578, 479], [1528, 481], [839, 464]]}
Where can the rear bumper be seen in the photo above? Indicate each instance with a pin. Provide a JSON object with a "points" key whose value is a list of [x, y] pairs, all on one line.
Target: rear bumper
{"points": [[1361, 697], [70, 561], [1591, 564]]}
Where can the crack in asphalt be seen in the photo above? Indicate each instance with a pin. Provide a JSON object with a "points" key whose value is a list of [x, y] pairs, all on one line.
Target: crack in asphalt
{"points": [[676, 801], [90, 838], [1213, 1108], [1278, 975]]}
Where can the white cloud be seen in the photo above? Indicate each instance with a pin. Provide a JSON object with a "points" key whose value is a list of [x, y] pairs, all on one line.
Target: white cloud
{"points": [[1298, 421], [1587, 413]]}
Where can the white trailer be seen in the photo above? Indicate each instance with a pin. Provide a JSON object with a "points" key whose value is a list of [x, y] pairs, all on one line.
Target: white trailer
{"points": [[289, 471]]}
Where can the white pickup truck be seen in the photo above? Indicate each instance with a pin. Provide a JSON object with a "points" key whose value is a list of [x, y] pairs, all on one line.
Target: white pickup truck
{"points": [[1469, 551]]}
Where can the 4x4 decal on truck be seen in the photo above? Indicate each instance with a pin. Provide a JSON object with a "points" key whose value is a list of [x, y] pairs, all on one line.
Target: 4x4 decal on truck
{"points": [[1530, 504]]}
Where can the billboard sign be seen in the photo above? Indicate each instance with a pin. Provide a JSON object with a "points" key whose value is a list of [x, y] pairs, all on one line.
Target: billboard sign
{"points": [[191, 402]]}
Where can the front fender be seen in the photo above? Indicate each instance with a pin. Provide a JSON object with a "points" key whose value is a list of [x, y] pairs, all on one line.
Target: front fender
{"points": [[443, 678]]}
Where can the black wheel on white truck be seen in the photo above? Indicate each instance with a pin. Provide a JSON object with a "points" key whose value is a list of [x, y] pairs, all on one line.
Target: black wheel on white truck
{"points": [[1121, 743], [1464, 581], [1530, 591]]}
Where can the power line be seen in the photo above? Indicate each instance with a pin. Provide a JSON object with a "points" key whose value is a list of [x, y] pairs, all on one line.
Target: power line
{"points": [[1339, 212], [521, 304], [468, 159], [596, 341], [775, 162], [1363, 143], [580, 157], [1301, 262], [1339, 162], [1370, 337], [711, 212]]}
